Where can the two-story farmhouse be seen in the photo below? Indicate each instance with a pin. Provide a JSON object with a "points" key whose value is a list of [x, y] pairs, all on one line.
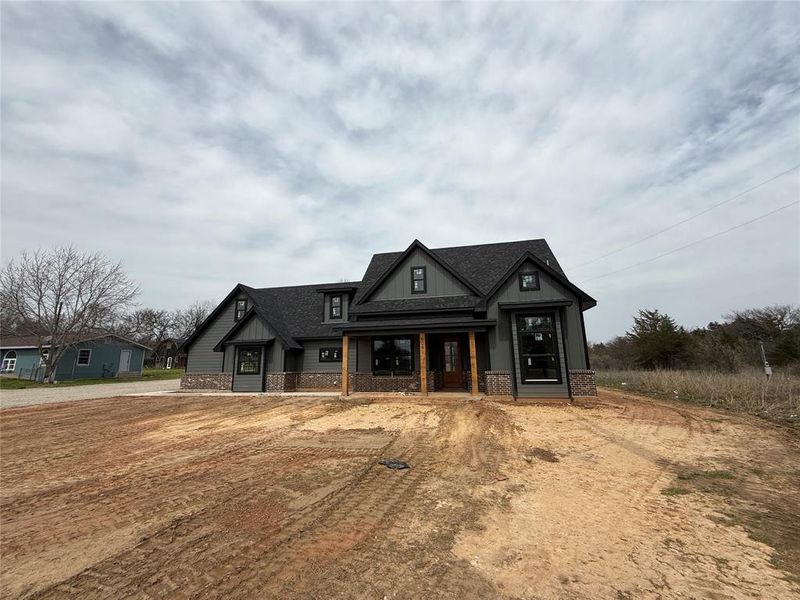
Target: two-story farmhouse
{"points": [[502, 319]]}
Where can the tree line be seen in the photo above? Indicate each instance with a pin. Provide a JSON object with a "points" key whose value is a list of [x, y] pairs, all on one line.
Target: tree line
{"points": [[656, 341], [63, 296]]}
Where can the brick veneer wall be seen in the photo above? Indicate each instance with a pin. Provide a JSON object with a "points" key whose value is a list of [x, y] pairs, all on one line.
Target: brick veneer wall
{"points": [[481, 381], [367, 382], [582, 383], [318, 381], [499, 383], [206, 381]]}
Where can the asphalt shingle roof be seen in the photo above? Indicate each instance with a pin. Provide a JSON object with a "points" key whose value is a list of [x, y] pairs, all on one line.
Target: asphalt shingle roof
{"points": [[297, 311]]}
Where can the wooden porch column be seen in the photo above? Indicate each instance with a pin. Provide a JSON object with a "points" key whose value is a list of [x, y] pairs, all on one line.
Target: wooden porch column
{"points": [[473, 363], [423, 364], [345, 364]]}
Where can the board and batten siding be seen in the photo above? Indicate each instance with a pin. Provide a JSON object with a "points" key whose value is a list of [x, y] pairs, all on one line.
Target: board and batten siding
{"points": [[439, 281], [540, 390], [309, 359], [254, 329], [500, 339], [250, 383], [201, 357]]}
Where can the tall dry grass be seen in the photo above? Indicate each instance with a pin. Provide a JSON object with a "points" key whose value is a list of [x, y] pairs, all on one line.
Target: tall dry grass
{"points": [[777, 398]]}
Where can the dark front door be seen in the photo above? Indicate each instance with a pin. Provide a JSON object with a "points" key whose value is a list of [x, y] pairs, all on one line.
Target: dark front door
{"points": [[451, 363]]}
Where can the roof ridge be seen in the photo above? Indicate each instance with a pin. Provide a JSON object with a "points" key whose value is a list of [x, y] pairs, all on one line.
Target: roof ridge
{"points": [[303, 285], [494, 244]]}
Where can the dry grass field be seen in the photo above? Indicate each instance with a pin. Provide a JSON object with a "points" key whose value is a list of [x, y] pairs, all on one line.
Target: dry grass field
{"points": [[231, 497], [777, 398]]}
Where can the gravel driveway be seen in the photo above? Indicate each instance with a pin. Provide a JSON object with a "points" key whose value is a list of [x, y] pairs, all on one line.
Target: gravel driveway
{"points": [[10, 398]]}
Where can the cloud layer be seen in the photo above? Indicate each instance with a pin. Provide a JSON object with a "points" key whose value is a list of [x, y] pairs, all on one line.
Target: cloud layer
{"points": [[210, 143]]}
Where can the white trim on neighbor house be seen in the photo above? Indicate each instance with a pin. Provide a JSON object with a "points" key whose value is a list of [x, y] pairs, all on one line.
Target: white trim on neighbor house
{"points": [[9, 362], [78, 362]]}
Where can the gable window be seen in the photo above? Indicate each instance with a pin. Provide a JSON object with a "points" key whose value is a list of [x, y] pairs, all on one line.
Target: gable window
{"points": [[392, 356], [248, 361], [9, 361], [330, 355], [336, 307], [528, 281], [538, 348], [241, 309], [419, 284], [84, 357]]}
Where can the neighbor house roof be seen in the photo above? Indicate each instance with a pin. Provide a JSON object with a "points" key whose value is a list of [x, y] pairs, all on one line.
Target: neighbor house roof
{"points": [[25, 342]]}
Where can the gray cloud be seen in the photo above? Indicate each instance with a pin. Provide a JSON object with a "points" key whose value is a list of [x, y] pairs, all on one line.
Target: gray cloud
{"points": [[210, 143]]}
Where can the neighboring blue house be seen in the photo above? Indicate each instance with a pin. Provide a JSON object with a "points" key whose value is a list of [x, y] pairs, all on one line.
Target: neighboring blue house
{"points": [[104, 356]]}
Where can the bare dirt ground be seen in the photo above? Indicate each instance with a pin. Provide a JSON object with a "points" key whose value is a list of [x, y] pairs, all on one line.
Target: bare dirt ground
{"points": [[197, 497]]}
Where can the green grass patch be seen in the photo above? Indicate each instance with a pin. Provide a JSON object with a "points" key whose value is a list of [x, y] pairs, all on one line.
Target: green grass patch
{"points": [[8, 383], [675, 491]]}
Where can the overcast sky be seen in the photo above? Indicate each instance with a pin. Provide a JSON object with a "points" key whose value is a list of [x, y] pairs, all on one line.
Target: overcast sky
{"points": [[206, 144]]}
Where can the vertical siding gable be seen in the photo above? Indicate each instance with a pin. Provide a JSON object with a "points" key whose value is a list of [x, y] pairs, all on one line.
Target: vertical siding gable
{"points": [[201, 356], [500, 340], [439, 280]]}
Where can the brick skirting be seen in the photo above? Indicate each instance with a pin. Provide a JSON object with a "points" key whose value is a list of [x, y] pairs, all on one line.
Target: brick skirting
{"points": [[367, 382], [318, 381], [499, 383], [481, 381], [207, 381], [582, 383]]}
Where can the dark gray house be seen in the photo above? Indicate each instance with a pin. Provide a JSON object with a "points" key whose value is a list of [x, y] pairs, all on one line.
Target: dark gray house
{"points": [[502, 319]]}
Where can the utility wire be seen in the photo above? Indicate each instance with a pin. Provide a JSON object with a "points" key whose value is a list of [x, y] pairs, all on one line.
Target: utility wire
{"points": [[687, 219], [649, 260]]}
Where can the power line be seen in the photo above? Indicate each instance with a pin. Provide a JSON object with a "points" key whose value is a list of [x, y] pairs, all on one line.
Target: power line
{"points": [[687, 219], [649, 260]]}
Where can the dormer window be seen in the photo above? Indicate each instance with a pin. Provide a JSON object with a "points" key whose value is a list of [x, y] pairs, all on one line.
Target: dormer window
{"points": [[336, 307], [241, 309], [419, 284], [528, 282]]}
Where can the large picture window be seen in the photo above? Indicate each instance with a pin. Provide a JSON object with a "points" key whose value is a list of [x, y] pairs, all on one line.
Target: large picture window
{"points": [[538, 348], [392, 356], [248, 361]]}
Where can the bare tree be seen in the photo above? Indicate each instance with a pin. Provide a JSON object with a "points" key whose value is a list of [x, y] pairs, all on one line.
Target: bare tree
{"points": [[189, 319], [148, 326], [63, 296]]}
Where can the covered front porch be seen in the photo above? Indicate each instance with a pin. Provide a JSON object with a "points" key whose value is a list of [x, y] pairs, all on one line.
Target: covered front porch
{"points": [[402, 357]]}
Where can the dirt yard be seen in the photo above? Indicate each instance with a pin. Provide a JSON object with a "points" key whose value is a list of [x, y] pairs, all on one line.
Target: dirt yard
{"points": [[189, 497]]}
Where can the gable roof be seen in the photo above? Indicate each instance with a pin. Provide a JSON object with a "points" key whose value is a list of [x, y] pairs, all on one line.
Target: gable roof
{"points": [[294, 312], [484, 266], [373, 286]]}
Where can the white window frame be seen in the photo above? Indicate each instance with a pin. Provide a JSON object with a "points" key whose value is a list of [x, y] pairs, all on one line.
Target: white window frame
{"points": [[9, 364], [78, 362], [169, 362], [44, 356]]}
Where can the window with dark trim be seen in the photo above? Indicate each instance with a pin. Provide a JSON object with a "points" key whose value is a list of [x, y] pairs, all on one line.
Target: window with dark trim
{"points": [[330, 355], [248, 361], [539, 359], [392, 356], [419, 282], [336, 307], [529, 282], [84, 357], [241, 309]]}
